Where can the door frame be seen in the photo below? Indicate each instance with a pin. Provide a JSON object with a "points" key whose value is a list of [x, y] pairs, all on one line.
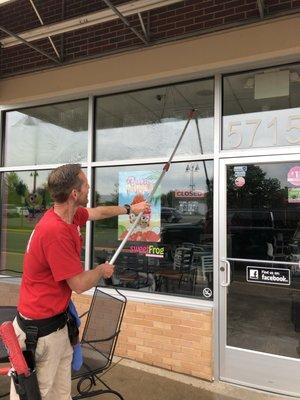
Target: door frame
{"points": [[242, 366]]}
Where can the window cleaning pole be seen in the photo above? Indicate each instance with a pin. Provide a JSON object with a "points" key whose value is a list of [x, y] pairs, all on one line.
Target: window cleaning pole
{"points": [[166, 167]]}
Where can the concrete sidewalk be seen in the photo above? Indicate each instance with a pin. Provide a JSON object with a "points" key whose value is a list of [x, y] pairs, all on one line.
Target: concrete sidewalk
{"points": [[137, 381]]}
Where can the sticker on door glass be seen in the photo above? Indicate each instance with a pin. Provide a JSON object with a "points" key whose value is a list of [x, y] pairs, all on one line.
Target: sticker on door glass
{"points": [[240, 168], [207, 292], [293, 176], [269, 276], [239, 181]]}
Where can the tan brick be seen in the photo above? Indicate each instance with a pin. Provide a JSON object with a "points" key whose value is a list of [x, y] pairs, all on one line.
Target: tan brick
{"points": [[168, 337], [144, 349]]}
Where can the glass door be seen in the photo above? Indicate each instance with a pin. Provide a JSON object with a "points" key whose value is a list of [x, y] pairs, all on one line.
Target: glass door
{"points": [[260, 273]]}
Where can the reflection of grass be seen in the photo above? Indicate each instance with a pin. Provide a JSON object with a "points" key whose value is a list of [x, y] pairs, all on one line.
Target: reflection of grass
{"points": [[15, 243], [20, 223], [14, 261], [16, 240]]}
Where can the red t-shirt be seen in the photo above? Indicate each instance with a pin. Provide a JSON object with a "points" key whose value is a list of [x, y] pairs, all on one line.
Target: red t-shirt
{"points": [[52, 256]]}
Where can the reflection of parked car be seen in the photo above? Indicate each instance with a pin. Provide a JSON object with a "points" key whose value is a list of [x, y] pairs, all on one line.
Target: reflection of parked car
{"points": [[294, 248], [23, 211], [182, 232], [169, 214], [173, 235], [249, 232]]}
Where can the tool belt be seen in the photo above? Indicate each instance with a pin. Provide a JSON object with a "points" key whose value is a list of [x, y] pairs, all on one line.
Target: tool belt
{"points": [[27, 387], [36, 328]]}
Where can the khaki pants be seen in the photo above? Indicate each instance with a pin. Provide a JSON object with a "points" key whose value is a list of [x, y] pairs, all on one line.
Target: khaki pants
{"points": [[53, 364]]}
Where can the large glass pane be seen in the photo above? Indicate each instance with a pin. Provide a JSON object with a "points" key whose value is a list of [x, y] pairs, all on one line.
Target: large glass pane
{"points": [[263, 214], [51, 134], [147, 123], [171, 249], [24, 200], [262, 108]]}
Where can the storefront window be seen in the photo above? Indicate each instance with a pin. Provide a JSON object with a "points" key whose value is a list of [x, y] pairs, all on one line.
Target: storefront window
{"points": [[262, 108], [24, 200], [147, 123], [171, 249], [51, 134]]}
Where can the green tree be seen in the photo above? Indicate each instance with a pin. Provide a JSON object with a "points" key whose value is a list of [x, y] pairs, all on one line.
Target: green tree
{"points": [[257, 193], [16, 189]]}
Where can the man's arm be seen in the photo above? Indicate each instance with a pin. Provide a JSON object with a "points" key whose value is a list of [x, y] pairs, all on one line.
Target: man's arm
{"points": [[88, 279], [103, 212]]}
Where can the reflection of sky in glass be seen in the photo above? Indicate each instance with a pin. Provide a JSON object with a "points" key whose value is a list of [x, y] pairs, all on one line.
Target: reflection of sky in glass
{"points": [[154, 140], [30, 141]]}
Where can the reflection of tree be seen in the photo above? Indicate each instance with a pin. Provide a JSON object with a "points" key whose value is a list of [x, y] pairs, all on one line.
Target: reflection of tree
{"points": [[97, 198], [113, 201], [16, 189], [167, 199], [21, 189], [115, 194], [258, 191], [46, 196]]}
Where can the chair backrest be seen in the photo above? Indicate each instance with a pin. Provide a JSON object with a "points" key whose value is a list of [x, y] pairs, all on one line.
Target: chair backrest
{"points": [[183, 258], [207, 263], [103, 323]]}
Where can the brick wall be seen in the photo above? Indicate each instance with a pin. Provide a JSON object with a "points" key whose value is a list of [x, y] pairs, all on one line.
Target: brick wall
{"points": [[173, 338], [171, 22]]}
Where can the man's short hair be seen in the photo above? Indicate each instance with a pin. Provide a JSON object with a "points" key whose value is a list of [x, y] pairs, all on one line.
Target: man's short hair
{"points": [[63, 180]]}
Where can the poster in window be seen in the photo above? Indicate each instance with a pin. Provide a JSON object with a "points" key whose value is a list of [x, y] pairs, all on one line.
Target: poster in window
{"points": [[133, 188]]}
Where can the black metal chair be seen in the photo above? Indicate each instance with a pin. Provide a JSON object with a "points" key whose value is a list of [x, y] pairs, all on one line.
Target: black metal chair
{"points": [[98, 342]]}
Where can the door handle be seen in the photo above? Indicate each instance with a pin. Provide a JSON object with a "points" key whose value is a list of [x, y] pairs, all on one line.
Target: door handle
{"points": [[227, 273]]}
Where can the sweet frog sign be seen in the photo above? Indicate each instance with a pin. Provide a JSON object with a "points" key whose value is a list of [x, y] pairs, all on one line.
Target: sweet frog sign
{"points": [[133, 188]]}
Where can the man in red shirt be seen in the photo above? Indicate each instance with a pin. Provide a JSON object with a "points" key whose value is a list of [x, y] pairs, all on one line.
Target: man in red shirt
{"points": [[52, 270]]}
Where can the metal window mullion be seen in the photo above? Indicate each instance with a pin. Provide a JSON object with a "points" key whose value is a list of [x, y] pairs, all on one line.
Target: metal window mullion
{"points": [[144, 161], [45, 167], [216, 215], [91, 139]]}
